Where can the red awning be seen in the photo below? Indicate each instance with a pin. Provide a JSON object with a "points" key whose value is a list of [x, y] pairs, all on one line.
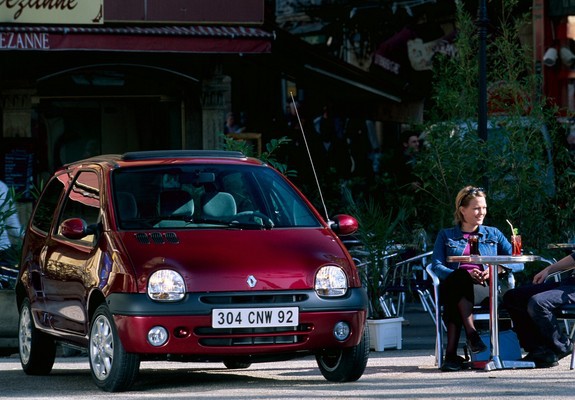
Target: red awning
{"points": [[188, 39]]}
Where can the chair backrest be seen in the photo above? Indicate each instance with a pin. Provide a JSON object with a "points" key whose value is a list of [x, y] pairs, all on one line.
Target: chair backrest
{"points": [[176, 203], [127, 206], [218, 204]]}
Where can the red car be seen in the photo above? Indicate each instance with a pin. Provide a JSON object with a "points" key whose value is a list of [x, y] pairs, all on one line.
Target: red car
{"points": [[186, 255]]}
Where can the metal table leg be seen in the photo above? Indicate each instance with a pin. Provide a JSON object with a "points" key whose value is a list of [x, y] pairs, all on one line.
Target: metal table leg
{"points": [[496, 362]]}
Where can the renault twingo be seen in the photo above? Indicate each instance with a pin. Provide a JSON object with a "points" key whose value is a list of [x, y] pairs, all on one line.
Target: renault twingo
{"points": [[188, 256]]}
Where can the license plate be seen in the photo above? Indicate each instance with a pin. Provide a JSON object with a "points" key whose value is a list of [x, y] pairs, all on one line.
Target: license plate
{"points": [[255, 317]]}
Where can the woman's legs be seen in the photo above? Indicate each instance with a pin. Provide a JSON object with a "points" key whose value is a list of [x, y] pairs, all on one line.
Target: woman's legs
{"points": [[457, 294], [466, 311], [453, 333]]}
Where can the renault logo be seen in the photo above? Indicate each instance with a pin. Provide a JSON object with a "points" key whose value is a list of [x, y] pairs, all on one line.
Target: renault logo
{"points": [[252, 281]]}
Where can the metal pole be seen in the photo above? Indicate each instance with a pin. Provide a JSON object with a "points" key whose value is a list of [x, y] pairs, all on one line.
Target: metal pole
{"points": [[482, 22]]}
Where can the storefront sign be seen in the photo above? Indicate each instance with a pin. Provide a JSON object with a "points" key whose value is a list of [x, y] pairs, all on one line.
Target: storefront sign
{"points": [[29, 41], [190, 39], [52, 11]]}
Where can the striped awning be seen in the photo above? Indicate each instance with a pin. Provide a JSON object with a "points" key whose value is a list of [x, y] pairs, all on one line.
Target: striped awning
{"points": [[189, 39]]}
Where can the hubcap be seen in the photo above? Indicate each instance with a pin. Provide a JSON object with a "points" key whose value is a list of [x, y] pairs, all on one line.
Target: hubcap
{"points": [[331, 360], [25, 335], [101, 347]]}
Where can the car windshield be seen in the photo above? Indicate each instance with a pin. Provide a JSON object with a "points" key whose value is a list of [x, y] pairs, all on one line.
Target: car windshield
{"points": [[207, 196]]}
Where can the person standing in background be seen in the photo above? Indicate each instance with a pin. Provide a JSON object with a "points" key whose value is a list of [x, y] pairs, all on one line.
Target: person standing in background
{"points": [[10, 227], [410, 150], [232, 125]]}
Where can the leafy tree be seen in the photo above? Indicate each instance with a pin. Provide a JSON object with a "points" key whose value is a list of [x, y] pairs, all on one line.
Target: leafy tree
{"points": [[524, 165], [268, 156]]}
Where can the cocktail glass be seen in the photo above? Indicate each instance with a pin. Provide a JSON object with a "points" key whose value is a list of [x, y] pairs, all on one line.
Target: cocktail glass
{"points": [[516, 244], [473, 241]]}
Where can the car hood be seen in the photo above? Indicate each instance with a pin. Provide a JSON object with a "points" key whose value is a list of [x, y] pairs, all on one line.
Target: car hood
{"points": [[223, 260]]}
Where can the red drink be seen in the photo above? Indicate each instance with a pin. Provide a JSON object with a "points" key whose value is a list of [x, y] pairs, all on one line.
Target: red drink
{"points": [[473, 241], [516, 245]]}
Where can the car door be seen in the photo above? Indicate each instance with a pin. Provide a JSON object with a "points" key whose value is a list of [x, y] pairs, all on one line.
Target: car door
{"points": [[69, 267]]}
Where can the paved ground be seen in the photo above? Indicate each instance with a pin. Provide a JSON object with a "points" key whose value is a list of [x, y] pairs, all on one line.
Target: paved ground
{"points": [[418, 328], [409, 373]]}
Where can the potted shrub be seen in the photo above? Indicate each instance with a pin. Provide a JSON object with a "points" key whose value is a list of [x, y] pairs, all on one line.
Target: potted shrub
{"points": [[379, 235]]}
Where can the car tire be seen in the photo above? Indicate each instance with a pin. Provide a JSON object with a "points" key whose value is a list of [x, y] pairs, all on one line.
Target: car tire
{"points": [[113, 369], [345, 365], [37, 349], [234, 364]]}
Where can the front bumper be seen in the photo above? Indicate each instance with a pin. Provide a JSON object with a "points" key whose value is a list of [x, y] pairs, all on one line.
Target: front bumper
{"points": [[189, 323]]}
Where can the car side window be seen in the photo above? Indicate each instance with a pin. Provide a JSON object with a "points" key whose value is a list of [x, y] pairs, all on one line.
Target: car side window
{"points": [[47, 204], [84, 202]]}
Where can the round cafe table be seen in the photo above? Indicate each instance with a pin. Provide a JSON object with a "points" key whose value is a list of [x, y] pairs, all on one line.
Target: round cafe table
{"points": [[567, 247], [492, 262]]}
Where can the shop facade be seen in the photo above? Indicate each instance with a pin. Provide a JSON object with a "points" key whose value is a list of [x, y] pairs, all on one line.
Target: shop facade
{"points": [[114, 77], [130, 81]]}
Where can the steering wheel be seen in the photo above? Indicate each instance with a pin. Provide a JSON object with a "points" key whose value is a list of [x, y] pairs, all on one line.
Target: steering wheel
{"points": [[253, 217]]}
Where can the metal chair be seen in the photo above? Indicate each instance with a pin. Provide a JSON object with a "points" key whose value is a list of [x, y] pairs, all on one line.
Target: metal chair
{"points": [[479, 313], [361, 258], [567, 314], [406, 280]]}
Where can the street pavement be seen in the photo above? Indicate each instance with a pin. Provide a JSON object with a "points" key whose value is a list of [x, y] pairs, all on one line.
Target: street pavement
{"points": [[409, 373]]}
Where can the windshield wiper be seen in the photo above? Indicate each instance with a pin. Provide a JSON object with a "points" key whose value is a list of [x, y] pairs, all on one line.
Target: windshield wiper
{"points": [[248, 225]]}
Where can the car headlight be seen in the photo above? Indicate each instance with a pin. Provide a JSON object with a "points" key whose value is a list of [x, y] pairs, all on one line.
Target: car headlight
{"points": [[166, 285], [330, 281]]}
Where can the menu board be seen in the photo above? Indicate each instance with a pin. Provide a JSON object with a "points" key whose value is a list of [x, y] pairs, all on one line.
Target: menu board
{"points": [[18, 169]]}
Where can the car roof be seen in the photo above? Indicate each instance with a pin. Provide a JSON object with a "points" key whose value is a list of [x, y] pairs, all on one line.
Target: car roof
{"points": [[156, 157]]}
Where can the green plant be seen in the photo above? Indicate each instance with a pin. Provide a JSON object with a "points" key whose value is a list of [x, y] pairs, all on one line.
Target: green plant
{"points": [[268, 156], [379, 232]]}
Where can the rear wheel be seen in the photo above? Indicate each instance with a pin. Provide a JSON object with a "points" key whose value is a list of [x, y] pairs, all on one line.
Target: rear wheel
{"points": [[37, 349], [345, 365], [112, 368]]}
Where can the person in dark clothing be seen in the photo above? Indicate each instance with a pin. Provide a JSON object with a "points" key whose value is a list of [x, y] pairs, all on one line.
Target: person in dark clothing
{"points": [[404, 168], [532, 307]]}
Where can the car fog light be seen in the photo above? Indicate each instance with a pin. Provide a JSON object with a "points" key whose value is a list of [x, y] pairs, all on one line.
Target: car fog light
{"points": [[157, 336], [341, 331]]}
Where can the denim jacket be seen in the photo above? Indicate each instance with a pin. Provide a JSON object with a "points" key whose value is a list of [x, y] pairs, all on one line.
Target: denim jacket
{"points": [[450, 242]]}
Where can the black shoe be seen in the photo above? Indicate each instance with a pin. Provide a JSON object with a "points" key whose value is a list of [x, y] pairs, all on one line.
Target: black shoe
{"points": [[566, 352], [542, 357], [452, 363], [475, 343]]}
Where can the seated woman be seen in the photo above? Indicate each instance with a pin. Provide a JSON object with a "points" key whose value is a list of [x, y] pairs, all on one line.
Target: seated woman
{"points": [[464, 285], [531, 309]]}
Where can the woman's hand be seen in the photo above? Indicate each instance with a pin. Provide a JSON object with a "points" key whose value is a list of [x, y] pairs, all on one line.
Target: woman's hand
{"points": [[479, 276]]}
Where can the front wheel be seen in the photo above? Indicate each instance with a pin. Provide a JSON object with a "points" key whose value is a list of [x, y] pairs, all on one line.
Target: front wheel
{"points": [[345, 365], [37, 349], [113, 370]]}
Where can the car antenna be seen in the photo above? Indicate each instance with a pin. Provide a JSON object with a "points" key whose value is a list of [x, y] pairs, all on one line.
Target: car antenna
{"points": [[309, 155]]}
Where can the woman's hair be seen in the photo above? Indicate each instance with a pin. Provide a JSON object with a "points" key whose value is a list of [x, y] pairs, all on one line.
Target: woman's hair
{"points": [[463, 198]]}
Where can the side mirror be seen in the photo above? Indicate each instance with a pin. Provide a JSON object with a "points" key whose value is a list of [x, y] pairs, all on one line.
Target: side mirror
{"points": [[74, 228], [343, 224]]}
